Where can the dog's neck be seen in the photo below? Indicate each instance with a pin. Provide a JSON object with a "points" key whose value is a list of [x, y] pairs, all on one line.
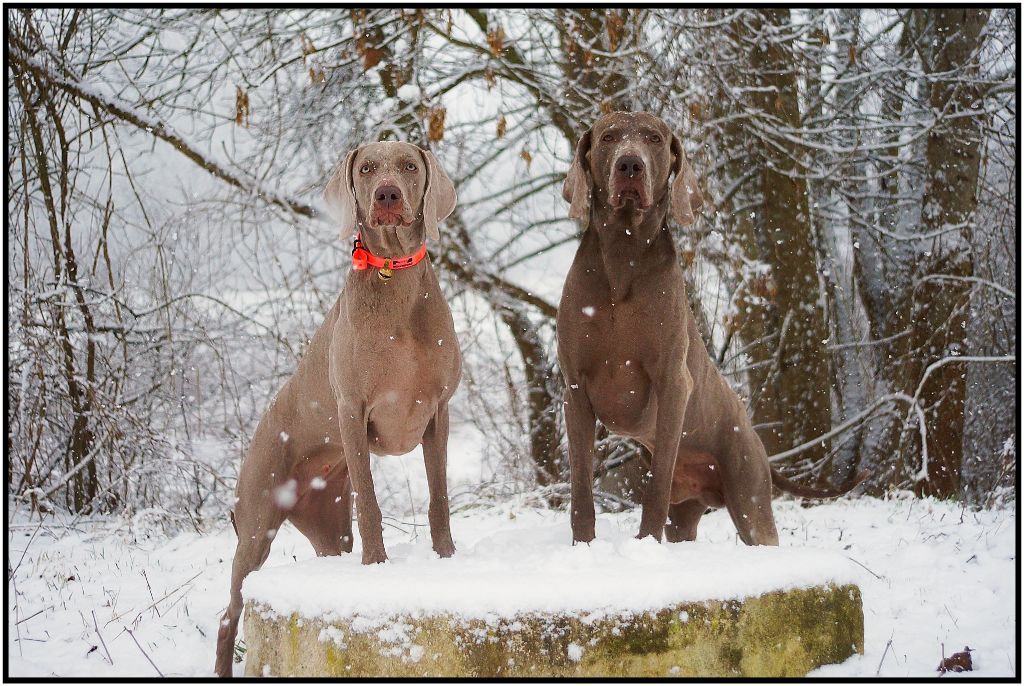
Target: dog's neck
{"points": [[631, 244], [392, 300]]}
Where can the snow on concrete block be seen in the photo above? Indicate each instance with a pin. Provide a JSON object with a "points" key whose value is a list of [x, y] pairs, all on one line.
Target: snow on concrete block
{"points": [[528, 604]]}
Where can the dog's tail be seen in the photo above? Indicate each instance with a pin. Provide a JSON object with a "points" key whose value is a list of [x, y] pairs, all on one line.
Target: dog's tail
{"points": [[789, 486]]}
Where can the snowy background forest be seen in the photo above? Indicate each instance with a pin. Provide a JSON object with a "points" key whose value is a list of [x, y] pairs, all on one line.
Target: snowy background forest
{"points": [[168, 258]]}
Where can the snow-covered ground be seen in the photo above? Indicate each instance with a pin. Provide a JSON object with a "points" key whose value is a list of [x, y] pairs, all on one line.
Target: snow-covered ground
{"points": [[522, 564], [931, 573]]}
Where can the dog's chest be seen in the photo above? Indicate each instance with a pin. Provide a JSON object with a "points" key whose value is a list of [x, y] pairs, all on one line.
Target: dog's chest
{"points": [[404, 391], [608, 331], [398, 356], [609, 357], [417, 363]]}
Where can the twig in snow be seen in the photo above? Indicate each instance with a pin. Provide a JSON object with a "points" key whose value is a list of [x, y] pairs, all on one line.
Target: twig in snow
{"points": [[888, 644], [162, 598], [12, 572], [176, 601], [17, 629], [25, 619], [151, 596], [956, 623], [385, 522], [144, 653], [102, 642], [862, 566]]}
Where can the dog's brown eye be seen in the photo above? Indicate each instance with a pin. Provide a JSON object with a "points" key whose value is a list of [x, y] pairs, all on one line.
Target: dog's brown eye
{"points": [[655, 138], [365, 169], [607, 137], [411, 166]]}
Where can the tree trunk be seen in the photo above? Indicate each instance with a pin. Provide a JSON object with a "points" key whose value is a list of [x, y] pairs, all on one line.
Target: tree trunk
{"points": [[938, 308], [751, 319], [849, 188], [913, 288], [543, 388], [79, 459], [787, 313]]}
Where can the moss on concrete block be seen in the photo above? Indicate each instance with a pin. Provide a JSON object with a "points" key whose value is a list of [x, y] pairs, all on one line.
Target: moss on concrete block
{"points": [[778, 634]]}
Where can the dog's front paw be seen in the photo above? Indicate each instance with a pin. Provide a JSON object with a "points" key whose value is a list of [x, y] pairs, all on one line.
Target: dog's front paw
{"points": [[445, 549], [374, 556], [583, 536], [650, 533], [583, 531]]}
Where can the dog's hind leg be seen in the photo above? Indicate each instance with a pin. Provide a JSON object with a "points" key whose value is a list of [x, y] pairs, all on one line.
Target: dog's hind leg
{"points": [[747, 489], [682, 520], [324, 513], [256, 529]]}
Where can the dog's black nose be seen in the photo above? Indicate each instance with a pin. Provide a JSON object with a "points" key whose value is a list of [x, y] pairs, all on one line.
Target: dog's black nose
{"points": [[388, 196], [629, 165]]}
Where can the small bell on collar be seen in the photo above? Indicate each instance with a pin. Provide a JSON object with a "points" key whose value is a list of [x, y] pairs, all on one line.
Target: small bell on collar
{"points": [[385, 273]]}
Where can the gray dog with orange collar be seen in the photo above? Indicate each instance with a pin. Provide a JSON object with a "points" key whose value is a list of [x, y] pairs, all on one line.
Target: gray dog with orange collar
{"points": [[376, 378]]}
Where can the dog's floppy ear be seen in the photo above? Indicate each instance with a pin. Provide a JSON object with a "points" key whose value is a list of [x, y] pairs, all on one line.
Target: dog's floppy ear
{"points": [[439, 196], [340, 199], [579, 184], [686, 197]]}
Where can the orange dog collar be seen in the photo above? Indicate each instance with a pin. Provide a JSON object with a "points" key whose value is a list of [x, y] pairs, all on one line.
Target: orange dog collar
{"points": [[362, 259]]}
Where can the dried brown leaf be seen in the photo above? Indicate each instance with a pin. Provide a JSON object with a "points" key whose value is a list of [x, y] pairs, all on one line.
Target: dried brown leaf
{"points": [[306, 44], [241, 107], [957, 662], [371, 55], [435, 124], [371, 58], [614, 24], [496, 40]]}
